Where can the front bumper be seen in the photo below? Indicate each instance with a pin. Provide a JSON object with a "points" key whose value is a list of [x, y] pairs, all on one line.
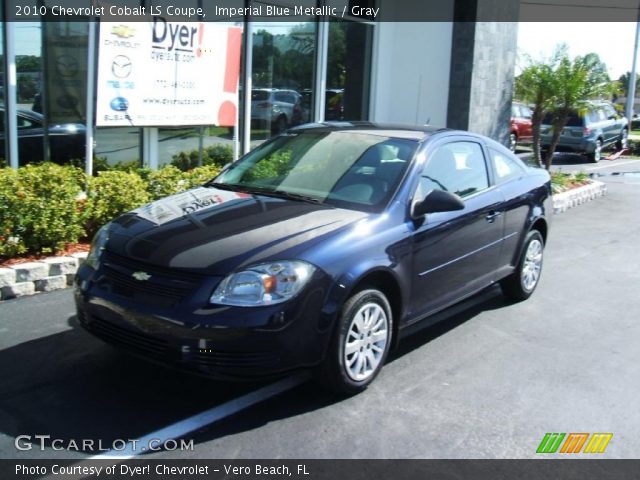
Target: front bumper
{"points": [[218, 341]]}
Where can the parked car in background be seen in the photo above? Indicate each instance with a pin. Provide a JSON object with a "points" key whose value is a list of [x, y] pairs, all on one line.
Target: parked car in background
{"points": [[333, 104], [320, 248], [66, 141], [588, 132], [276, 109], [521, 132]]}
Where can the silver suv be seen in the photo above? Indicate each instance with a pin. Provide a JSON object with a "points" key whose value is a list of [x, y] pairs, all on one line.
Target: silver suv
{"points": [[588, 133]]}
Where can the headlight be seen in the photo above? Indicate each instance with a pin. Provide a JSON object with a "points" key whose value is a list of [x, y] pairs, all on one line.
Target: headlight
{"points": [[97, 246], [264, 284]]}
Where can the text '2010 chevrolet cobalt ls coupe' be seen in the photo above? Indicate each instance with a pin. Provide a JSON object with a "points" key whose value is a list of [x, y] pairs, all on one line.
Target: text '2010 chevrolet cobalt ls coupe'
{"points": [[317, 249]]}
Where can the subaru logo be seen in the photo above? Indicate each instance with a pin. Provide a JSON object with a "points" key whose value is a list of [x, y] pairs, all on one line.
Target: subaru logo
{"points": [[119, 104], [141, 276]]}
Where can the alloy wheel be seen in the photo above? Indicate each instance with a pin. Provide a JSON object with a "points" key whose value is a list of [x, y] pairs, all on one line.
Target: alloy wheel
{"points": [[532, 265], [366, 341]]}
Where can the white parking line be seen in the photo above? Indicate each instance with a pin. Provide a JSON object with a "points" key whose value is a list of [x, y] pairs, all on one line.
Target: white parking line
{"points": [[612, 165], [203, 419]]}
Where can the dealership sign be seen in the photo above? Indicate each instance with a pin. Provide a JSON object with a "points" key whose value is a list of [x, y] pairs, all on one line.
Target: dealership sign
{"points": [[165, 73]]}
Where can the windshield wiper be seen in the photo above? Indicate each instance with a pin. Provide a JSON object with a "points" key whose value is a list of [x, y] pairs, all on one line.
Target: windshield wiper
{"points": [[264, 191], [297, 196], [225, 186]]}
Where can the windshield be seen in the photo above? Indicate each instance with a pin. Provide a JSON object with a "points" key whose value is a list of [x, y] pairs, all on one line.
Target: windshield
{"points": [[346, 169]]}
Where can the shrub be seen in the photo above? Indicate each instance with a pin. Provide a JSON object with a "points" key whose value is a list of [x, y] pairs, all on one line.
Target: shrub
{"points": [[166, 181], [218, 155], [112, 193], [200, 175], [41, 208]]}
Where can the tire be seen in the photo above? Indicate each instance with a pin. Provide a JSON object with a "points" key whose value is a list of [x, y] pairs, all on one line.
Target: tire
{"points": [[354, 357], [523, 281], [596, 155], [513, 142], [623, 142], [280, 125]]}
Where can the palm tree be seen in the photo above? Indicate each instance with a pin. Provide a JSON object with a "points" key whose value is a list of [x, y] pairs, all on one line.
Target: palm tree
{"points": [[560, 86], [577, 83]]}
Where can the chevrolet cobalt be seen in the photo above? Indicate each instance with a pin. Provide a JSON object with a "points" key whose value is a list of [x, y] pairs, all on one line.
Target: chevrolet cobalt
{"points": [[319, 249]]}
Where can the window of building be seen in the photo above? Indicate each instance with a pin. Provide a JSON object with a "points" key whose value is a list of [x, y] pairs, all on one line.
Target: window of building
{"points": [[282, 76], [348, 71]]}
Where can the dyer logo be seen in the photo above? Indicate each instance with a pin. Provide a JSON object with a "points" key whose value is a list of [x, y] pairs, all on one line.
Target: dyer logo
{"points": [[574, 443], [174, 36]]}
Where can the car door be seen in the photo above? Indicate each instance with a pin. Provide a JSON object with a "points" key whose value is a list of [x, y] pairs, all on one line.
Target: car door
{"points": [[612, 124], [455, 253], [509, 174]]}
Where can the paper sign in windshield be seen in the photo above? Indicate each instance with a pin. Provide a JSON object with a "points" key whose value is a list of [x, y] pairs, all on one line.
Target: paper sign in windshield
{"points": [[189, 202]]}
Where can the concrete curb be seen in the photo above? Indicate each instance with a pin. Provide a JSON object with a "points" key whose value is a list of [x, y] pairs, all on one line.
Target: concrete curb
{"points": [[571, 198], [52, 273]]}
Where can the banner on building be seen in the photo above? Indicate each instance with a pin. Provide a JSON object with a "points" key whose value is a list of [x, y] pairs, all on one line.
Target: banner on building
{"points": [[164, 73]]}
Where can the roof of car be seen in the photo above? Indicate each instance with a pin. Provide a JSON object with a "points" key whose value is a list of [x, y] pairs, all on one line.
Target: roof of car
{"points": [[412, 132]]}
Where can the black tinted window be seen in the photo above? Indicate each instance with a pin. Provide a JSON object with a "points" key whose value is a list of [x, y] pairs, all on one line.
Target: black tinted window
{"points": [[457, 167]]}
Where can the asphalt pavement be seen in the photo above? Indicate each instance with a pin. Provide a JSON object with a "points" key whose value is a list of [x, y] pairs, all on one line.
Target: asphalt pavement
{"points": [[487, 382]]}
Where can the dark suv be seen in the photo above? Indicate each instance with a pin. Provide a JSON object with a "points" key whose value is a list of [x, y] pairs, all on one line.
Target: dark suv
{"points": [[589, 132]]}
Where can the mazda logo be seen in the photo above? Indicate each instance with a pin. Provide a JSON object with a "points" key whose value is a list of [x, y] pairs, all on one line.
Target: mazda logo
{"points": [[121, 66]]}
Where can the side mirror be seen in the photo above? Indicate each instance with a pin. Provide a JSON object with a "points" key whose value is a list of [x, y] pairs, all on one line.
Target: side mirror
{"points": [[438, 201]]}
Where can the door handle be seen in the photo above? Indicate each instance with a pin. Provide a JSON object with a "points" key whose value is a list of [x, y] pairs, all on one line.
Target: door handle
{"points": [[492, 216]]}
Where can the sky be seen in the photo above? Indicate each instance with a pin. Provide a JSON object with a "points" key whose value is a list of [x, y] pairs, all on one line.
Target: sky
{"points": [[613, 42]]}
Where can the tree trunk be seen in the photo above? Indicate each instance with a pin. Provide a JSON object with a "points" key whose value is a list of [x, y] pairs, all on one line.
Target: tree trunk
{"points": [[559, 123], [536, 122]]}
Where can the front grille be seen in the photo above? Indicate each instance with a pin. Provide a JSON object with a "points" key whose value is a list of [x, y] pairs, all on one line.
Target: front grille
{"points": [[215, 359], [165, 287], [127, 339]]}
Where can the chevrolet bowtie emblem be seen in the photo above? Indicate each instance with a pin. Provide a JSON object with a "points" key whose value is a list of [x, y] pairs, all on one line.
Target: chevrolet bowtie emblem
{"points": [[141, 276]]}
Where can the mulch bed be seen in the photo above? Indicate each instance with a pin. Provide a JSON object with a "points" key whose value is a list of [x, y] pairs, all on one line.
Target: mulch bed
{"points": [[68, 250]]}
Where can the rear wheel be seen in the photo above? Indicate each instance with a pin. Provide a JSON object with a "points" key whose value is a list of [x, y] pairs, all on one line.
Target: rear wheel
{"points": [[623, 142], [523, 281], [596, 155], [360, 344]]}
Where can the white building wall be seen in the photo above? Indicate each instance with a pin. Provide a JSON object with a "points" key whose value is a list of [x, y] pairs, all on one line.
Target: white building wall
{"points": [[410, 72]]}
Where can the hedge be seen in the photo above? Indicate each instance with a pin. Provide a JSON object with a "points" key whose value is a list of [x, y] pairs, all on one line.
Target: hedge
{"points": [[45, 206]]}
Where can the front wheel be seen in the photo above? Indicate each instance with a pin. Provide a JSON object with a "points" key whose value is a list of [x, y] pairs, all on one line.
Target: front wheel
{"points": [[523, 281], [360, 343]]}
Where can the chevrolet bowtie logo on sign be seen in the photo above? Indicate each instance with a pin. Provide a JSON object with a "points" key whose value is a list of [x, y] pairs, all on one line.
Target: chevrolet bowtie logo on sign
{"points": [[574, 443], [123, 31]]}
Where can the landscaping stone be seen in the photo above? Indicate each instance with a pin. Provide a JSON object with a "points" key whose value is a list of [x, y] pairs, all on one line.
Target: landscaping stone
{"points": [[18, 290], [576, 196], [51, 283], [80, 256], [30, 272], [7, 277], [62, 265]]}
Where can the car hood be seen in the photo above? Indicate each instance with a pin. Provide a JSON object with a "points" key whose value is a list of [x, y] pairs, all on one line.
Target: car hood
{"points": [[217, 231]]}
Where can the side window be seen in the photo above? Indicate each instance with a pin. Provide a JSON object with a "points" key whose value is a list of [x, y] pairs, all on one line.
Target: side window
{"points": [[505, 167], [457, 167], [24, 123]]}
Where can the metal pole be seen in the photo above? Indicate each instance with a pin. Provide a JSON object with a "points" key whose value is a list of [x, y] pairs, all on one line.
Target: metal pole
{"points": [[248, 63], [631, 93], [320, 80], [10, 101], [91, 61]]}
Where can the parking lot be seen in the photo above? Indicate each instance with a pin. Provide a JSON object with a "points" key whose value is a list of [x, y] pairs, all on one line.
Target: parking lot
{"points": [[487, 382]]}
